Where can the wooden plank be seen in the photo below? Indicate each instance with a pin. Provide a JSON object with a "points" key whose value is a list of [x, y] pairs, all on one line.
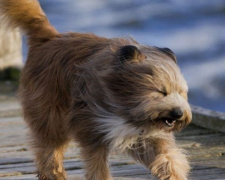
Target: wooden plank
{"points": [[206, 150], [208, 119], [10, 109], [72, 177]]}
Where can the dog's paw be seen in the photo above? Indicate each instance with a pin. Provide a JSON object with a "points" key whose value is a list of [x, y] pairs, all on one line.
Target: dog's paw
{"points": [[59, 176], [171, 166]]}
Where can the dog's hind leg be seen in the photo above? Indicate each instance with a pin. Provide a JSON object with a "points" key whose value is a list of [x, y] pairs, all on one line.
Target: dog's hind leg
{"points": [[49, 159], [48, 139]]}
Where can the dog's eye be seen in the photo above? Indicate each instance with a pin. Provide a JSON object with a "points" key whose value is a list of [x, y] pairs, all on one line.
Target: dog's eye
{"points": [[163, 93]]}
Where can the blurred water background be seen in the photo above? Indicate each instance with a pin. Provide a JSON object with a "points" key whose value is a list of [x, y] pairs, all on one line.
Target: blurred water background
{"points": [[194, 30]]}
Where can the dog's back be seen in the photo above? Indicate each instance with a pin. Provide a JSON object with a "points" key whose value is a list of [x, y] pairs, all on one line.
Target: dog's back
{"points": [[47, 77], [50, 67]]}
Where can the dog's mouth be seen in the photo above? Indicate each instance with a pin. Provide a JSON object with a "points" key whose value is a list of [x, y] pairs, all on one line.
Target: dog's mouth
{"points": [[169, 122]]}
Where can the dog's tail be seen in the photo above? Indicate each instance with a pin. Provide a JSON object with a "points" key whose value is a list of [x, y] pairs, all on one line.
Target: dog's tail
{"points": [[28, 15]]}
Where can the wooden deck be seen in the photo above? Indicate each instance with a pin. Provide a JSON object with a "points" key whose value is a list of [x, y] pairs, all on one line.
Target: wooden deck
{"points": [[206, 150]]}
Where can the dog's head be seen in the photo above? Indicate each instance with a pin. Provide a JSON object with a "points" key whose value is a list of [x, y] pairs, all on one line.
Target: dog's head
{"points": [[146, 88]]}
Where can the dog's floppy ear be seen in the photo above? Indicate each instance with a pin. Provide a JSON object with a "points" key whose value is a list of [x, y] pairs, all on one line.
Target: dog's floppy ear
{"points": [[168, 52], [130, 53]]}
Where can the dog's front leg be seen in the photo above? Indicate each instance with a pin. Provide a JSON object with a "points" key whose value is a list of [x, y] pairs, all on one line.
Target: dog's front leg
{"points": [[162, 156], [96, 163], [170, 162]]}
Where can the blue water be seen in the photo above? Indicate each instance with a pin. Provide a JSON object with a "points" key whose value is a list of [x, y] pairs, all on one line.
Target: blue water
{"points": [[194, 30]]}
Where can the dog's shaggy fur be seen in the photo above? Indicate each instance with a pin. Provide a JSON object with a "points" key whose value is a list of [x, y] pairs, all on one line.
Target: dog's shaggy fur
{"points": [[103, 93]]}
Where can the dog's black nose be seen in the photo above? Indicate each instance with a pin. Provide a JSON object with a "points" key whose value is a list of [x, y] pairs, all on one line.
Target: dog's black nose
{"points": [[176, 113]]}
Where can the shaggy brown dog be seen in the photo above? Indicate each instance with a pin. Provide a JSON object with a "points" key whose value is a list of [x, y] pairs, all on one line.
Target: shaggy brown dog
{"points": [[103, 93]]}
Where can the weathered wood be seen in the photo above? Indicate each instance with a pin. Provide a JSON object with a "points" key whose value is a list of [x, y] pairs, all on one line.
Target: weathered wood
{"points": [[208, 119], [73, 177], [206, 149], [10, 109]]}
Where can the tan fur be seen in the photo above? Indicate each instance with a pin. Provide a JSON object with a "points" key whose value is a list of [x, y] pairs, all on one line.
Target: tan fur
{"points": [[28, 15], [103, 93], [160, 154], [96, 163]]}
